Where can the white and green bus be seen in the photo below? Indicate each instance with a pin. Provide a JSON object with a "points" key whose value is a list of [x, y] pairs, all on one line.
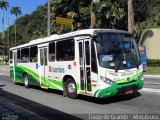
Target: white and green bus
{"points": [[94, 62]]}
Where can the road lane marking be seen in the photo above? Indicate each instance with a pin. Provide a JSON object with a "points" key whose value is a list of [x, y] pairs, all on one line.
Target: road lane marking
{"points": [[2, 73], [4, 69], [5, 74], [151, 90], [151, 83]]}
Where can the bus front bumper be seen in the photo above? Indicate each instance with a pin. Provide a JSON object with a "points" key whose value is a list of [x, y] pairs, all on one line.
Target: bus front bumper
{"points": [[119, 89]]}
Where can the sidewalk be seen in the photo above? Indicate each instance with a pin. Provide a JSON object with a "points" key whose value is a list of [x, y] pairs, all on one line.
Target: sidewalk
{"points": [[10, 111], [151, 76]]}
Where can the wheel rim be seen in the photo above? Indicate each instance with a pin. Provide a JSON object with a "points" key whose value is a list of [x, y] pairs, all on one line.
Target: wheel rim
{"points": [[26, 81], [71, 88]]}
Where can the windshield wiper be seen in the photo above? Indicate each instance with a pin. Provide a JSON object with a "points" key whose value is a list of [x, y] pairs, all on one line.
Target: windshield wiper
{"points": [[118, 66], [120, 62]]}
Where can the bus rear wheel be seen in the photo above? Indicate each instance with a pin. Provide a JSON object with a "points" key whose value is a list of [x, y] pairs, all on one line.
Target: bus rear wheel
{"points": [[26, 81], [71, 88]]}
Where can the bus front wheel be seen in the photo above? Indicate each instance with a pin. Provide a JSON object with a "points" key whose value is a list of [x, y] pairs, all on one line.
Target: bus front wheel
{"points": [[26, 81], [71, 88]]}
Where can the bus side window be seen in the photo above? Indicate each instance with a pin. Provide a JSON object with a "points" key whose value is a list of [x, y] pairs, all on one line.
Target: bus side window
{"points": [[51, 52], [33, 54], [18, 56], [25, 55], [65, 50], [11, 57]]}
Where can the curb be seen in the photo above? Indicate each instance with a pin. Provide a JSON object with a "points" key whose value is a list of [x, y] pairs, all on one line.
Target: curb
{"points": [[151, 90], [152, 76]]}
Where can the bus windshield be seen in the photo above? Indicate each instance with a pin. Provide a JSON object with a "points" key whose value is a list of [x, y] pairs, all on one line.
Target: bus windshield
{"points": [[117, 51]]}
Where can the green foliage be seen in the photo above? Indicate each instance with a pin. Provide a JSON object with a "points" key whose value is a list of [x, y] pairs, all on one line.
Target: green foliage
{"points": [[36, 34], [146, 14], [16, 11], [4, 4], [3, 45], [153, 62], [1, 62], [152, 70], [112, 14], [109, 14], [29, 27]]}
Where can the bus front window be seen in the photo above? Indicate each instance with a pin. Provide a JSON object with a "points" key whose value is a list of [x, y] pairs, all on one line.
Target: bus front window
{"points": [[117, 51]]}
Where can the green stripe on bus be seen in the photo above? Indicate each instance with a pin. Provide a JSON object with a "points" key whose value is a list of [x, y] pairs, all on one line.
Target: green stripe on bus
{"points": [[96, 93], [45, 81], [131, 78]]}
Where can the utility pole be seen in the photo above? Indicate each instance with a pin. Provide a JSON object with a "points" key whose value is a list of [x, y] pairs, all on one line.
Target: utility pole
{"points": [[130, 17], [48, 23], [15, 34], [8, 37], [91, 11]]}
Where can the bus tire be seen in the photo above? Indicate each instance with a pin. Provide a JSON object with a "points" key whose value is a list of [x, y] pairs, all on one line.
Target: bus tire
{"points": [[26, 81], [71, 88]]}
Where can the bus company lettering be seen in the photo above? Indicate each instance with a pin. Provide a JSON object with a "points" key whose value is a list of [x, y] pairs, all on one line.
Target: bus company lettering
{"points": [[56, 70]]}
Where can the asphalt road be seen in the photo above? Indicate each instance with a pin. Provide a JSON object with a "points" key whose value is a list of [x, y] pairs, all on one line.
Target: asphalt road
{"points": [[51, 104]]}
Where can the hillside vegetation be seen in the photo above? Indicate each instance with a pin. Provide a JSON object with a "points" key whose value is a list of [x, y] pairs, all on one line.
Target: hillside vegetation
{"points": [[108, 14]]}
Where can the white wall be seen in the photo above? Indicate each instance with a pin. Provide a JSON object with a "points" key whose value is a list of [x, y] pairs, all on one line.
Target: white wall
{"points": [[151, 40]]}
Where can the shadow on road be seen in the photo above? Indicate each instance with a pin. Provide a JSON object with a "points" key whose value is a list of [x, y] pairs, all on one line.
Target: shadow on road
{"points": [[1, 86], [42, 110], [58, 92], [102, 101], [109, 100]]}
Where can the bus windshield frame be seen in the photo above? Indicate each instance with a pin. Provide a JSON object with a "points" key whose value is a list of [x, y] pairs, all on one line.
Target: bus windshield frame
{"points": [[117, 51]]}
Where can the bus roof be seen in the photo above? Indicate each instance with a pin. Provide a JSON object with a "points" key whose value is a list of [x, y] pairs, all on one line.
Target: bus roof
{"points": [[67, 35]]}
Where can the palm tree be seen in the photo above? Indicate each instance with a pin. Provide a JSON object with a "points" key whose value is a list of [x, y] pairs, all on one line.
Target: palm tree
{"points": [[3, 6], [16, 11]]}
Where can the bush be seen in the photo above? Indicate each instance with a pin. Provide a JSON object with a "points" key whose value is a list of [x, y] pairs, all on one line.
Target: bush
{"points": [[153, 62]]}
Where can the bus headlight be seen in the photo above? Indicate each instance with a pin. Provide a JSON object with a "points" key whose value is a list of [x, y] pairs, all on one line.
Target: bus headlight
{"points": [[107, 80], [140, 77]]}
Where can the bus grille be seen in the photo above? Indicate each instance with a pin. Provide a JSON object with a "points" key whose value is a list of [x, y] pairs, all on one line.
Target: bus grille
{"points": [[124, 89]]}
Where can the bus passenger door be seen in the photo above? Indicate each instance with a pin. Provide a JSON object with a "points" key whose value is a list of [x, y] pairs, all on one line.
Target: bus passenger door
{"points": [[85, 65], [43, 62], [14, 65]]}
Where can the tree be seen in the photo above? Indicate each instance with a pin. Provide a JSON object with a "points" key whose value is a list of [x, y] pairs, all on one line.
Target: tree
{"points": [[36, 34], [3, 5], [146, 14], [16, 11], [3, 46], [111, 14]]}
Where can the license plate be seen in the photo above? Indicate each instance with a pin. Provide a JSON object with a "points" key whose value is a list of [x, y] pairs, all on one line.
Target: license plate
{"points": [[129, 91]]}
